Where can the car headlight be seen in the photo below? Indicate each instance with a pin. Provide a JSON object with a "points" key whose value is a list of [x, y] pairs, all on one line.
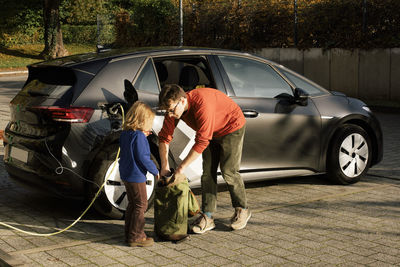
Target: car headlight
{"points": [[367, 109]]}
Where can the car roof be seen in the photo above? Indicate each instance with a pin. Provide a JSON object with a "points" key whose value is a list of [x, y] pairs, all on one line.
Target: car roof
{"points": [[115, 54]]}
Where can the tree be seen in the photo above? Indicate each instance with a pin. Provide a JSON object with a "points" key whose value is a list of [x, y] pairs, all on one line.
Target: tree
{"points": [[53, 39]]}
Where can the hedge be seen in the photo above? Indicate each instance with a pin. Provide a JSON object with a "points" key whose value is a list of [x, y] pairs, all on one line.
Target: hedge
{"points": [[86, 34], [237, 24]]}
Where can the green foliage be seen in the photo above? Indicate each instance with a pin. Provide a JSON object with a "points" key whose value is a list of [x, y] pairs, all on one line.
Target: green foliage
{"points": [[238, 24], [83, 12], [20, 22], [147, 23], [339, 23], [244, 24], [80, 17], [249, 24], [79, 34], [383, 24]]}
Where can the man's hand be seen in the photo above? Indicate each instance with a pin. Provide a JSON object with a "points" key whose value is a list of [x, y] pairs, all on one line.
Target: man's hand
{"points": [[165, 172]]}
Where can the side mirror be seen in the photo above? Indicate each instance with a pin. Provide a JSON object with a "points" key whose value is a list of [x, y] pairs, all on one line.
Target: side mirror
{"points": [[301, 97], [130, 93]]}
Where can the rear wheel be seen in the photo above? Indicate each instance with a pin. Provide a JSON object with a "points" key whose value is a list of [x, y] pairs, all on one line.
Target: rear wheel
{"points": [[113, 201], [350, 155]]}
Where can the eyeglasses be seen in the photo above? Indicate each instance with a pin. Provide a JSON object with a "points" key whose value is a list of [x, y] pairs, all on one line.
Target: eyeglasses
{"points": [[172, 111]]}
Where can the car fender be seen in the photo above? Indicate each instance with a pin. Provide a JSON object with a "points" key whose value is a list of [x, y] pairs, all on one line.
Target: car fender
{"points": [[367, 123]]}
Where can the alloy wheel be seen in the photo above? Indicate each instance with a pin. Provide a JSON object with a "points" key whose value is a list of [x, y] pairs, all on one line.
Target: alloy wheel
{"points": [[353, 155], [115, 188]]}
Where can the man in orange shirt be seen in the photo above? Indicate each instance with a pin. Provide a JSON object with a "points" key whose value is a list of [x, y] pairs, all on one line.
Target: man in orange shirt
{"points": [[220, 126]]}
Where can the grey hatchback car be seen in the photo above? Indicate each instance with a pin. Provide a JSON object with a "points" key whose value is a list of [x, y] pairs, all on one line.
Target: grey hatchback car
{"points": [[65, 124]]}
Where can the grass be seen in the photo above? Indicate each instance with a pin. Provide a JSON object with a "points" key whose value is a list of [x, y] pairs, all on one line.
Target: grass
{"points": [[19, 56]]}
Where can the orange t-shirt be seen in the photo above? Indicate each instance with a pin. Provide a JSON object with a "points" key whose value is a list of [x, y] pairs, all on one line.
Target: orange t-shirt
{"points": [[210, 113]]}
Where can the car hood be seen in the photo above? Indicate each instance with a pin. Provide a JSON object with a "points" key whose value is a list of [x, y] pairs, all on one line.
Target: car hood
{"points": [[351, 100]]}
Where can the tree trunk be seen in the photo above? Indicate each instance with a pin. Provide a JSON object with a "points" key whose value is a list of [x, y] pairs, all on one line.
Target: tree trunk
{"points": [[53, 40]]}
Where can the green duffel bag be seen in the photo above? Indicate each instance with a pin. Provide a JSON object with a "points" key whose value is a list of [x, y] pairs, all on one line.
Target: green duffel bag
{"points": [[174, 202]]}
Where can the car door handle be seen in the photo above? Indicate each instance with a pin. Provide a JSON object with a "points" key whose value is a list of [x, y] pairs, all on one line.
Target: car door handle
{"points": [[250, 113]]}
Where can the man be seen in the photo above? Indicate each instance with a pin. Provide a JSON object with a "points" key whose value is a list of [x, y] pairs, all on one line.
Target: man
{"points": [[220, 126]]}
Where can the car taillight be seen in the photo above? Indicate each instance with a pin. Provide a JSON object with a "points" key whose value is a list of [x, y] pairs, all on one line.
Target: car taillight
{"points": [[70, 114]]}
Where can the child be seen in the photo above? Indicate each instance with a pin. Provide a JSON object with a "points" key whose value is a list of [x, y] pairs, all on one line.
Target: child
{"points": [[134, 163]]}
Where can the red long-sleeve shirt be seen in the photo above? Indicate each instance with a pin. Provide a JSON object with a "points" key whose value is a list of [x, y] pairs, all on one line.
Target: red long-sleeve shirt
{"points": [[210, 113]]}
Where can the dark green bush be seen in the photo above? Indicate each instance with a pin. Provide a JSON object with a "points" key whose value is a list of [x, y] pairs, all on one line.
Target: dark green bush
{"points": [[147, 23], [237, 24], [83, 34], [249, 24], [340, 23], [20, 22]]}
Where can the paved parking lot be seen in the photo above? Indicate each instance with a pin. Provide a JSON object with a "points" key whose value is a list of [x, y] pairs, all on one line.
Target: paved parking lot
{"points": [[296, 222]]}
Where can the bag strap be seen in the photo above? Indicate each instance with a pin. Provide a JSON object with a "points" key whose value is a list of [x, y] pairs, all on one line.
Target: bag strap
{"points": [[194, 207]]}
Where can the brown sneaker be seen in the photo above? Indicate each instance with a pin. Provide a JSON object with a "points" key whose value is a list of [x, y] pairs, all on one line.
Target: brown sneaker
{"points": [[240, 218], [145, 242], [202, 224]]}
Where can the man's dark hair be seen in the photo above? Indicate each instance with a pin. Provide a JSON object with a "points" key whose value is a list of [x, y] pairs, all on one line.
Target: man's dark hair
{"points": [[170, 92]]}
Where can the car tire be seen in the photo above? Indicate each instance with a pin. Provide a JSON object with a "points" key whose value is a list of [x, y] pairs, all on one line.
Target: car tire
{"points": [[112, 200], [349, 156]]}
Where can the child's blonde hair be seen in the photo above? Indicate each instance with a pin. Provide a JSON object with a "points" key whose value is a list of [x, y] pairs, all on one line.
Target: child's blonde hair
{"points": [[139, 117]]}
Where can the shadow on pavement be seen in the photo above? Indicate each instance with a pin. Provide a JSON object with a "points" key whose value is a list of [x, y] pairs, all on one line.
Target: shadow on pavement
{"points": [[17, 53]]}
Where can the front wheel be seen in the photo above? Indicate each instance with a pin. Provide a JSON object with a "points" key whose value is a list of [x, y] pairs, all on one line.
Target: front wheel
{"points": [[350, 155], [112, 201]]}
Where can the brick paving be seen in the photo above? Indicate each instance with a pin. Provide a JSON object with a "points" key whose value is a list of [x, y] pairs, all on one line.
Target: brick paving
{"points": [[296, 222]]}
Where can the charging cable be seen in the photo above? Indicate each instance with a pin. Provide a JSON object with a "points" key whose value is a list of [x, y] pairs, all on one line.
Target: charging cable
{"points": [[60, 169], [86, 210]]}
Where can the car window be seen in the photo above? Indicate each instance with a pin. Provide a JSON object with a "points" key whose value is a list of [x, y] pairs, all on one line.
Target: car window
{"points": [[300, 82], [38, 88], [251, 78], [147, 80], [189, 72]]}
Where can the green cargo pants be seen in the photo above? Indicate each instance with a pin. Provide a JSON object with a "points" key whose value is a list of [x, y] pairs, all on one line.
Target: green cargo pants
{"points": [[225, 151]]}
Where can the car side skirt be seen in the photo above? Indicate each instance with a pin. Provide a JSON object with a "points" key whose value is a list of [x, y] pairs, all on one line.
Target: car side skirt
{"points": [[260, 175]]}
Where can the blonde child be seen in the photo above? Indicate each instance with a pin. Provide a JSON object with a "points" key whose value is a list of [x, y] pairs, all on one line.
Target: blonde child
{"points": [[134, 164]]}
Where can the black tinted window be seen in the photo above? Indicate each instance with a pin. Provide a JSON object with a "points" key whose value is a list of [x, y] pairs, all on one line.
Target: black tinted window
{"points": [[38, 88], [189, 72]]}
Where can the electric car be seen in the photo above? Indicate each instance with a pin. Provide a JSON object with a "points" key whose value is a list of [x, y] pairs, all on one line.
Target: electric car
{"points": [[65, 124]]}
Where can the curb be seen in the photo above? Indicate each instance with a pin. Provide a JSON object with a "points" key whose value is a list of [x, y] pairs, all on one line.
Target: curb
{"points": [[10, 73]]}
